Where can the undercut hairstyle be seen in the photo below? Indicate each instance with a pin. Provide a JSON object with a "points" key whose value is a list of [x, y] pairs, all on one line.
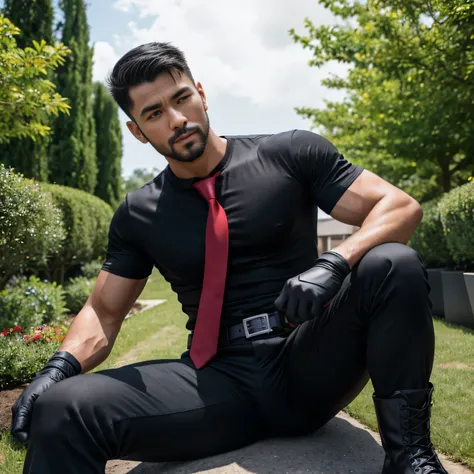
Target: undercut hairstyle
{"points": [[143, 64]]}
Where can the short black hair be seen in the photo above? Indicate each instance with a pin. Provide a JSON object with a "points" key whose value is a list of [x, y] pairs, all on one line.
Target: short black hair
{"points": [[143, 64]]}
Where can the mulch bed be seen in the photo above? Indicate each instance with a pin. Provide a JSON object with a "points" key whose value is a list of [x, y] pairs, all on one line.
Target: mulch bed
{"points": [[7, 399]]}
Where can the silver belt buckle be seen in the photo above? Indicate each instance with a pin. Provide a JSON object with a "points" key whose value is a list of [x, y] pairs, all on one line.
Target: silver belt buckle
{"points": [[267, 329]]}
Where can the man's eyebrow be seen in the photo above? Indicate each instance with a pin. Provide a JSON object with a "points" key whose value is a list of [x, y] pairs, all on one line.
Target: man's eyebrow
{"points": [[151, 107]]}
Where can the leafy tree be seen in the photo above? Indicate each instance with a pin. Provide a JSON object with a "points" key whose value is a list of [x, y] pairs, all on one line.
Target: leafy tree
{"points": [[108, 146], [73, 155], [34, 18], [408, 113], [27, 97], [138, 178]]}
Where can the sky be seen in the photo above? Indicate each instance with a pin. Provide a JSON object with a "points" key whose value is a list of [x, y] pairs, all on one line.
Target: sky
{"points": [[252, 72]]}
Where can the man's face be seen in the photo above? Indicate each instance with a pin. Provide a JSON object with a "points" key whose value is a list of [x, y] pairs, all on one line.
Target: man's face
{"points": [[171, 115]]}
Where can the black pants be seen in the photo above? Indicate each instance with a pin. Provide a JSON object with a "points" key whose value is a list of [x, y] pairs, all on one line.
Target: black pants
{"points": [[165, 410]]}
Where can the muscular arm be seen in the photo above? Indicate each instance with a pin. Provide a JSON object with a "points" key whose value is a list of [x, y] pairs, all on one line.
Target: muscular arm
{"points": [[92, 334], [383, 212]]}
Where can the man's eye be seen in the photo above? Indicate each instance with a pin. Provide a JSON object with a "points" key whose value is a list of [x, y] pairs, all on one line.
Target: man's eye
{"points": [[154, 114], [183, 98]]}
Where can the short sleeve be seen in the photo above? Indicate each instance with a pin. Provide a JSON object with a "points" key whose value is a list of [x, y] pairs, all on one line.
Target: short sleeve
{"points": [[327, 173], [124, 256]]}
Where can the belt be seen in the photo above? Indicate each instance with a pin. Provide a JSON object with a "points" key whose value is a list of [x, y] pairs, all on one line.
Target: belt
{"points": [[249, 327]]}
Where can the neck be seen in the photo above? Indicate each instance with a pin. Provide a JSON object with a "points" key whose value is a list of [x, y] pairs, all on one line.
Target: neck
{"points": [[200, 168]]}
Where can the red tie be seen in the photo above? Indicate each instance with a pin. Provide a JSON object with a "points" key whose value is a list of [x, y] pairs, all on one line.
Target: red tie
{"points": [[206, 331]]}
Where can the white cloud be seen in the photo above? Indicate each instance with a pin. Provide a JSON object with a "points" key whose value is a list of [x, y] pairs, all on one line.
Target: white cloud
{"points": [[252, 72], [104, 60], [240, 48]]}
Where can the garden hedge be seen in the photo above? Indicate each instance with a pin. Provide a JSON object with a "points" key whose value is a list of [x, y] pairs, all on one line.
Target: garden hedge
{"points": [[31, 227], [457, 217], [87, 220], [429, 239]]}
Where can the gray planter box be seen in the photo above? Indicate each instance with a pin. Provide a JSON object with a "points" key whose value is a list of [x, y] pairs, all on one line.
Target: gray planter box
{"points": [[436, 293], [469, 280], [457, 308]]}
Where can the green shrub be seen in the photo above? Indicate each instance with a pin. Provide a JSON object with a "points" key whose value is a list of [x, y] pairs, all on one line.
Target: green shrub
{"points": [[91, 270], [457, 217], [31, 228], [429, 239], [23, 354], [77, 291], [87, 220], [31, 303]]}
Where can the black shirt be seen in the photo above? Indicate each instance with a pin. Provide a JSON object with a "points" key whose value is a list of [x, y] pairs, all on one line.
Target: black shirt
{"points": [[270, 187]]}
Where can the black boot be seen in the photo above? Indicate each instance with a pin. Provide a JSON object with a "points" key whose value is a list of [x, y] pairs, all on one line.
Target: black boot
{"points": [[404, 426]]}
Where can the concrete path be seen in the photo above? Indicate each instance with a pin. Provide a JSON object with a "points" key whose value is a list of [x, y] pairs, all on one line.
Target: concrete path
{"points": [[343, 446], [147, 304]]}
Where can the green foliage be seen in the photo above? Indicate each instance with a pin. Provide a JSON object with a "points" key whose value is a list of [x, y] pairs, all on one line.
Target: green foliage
{"points": [[31, 303], [27, 97], [457, 217], [34, 18], [91, 270], [31, 227], [429, 239], [73, 155], [408, 112], [139, 178], [22, 357], [108, 146], [87, 220], [77, 291]]}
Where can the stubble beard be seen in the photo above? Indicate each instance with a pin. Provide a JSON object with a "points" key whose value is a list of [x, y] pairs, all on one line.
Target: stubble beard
{"points": [[193, 149]]}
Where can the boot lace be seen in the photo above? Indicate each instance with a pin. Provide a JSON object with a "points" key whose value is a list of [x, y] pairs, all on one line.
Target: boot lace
{"points": [[424, 459]]}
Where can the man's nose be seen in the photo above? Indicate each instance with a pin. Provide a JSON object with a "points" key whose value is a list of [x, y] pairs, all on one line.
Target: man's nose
{"points": [[177, 120]]}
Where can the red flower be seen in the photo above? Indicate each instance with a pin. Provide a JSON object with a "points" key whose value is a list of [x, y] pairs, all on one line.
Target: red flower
{"points": [[37, 336], [18, 328], [4, 332], [26, 336]]}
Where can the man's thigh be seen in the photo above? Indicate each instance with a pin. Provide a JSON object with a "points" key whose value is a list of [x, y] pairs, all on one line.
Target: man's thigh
{"points": [[327, 366], [161, 410]]}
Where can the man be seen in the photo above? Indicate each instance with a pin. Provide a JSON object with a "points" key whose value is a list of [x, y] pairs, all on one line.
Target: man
{"points": [[281, 339]]}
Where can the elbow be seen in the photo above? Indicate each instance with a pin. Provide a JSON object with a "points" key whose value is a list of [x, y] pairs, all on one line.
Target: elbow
{"points": [[416, 212]]}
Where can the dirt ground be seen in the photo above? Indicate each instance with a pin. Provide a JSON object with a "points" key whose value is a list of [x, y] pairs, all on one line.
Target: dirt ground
{"points": [[7, 399]]}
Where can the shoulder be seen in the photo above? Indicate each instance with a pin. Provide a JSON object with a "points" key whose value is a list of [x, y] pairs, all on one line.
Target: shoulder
{"points": [[294, 142], [141, 199], [310, 141]]}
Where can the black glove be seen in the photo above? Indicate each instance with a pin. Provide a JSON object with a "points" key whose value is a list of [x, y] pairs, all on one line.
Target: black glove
{"points": [[61, 366], [305, 296]]}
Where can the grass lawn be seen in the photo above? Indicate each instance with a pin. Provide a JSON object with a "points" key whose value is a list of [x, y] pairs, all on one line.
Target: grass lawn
{"points": [[159, 333]]}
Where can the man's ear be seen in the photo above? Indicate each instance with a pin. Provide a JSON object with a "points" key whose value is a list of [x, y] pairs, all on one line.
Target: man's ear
{"points": [[136, 132], [201, 92]]}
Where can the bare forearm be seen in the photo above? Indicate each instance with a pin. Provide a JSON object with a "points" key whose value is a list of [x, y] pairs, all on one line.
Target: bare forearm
{"points": [[389, 221], [90, 339]]}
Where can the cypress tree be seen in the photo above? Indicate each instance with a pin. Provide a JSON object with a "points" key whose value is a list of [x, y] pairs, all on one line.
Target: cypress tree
{"points": [[35, 20], [73, 158], [108, 146]]}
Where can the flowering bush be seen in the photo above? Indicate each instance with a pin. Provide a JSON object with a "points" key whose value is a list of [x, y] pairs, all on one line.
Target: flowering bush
{"points": [[31, 303], [31, 226], [22, 355]]}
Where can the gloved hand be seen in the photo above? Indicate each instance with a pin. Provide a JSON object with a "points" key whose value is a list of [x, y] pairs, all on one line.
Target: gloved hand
{"points": [[305, 296], [60, 366]]}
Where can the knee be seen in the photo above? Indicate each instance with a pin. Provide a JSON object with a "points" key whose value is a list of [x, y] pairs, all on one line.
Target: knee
{"points": [[399, 261], [391, 269], [72, 401]]}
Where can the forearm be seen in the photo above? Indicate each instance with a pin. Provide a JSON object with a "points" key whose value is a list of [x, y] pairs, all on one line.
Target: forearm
{"points": [[389, 221], [90, 338]]}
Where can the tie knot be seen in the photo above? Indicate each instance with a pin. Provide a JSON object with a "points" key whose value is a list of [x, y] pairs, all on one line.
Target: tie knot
{"points": [[207, 187]]}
